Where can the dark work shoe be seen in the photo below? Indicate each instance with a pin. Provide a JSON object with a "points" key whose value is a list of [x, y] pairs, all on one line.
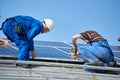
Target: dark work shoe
{"points": [[96, 63], [113, 64], [23, 65]]}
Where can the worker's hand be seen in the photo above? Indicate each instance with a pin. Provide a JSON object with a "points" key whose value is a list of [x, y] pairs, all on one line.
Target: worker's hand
{"points": [[74, 50], [72, 55], [5, 43], [33, 54]]}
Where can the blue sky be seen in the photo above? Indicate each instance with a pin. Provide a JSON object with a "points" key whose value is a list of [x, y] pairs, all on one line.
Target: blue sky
{"points": [[70, 16]]}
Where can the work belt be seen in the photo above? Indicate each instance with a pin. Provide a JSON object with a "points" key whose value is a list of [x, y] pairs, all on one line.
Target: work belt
{"points": [[18, 28]]}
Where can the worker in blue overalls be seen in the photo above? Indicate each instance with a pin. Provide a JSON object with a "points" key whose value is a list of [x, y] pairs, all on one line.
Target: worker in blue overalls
{"points": [[98, 53], [22, 29]]}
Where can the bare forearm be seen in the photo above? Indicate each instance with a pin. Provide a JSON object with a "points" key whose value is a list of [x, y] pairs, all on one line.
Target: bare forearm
{"points": [[74, 39], [74, 42]]}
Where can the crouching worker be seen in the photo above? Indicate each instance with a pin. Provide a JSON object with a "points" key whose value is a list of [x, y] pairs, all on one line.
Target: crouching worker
{"points": [[97, 54], [22, 30]]}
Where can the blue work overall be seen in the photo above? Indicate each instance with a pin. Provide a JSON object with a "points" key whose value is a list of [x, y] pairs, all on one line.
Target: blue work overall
{"points": [[24, 42]]}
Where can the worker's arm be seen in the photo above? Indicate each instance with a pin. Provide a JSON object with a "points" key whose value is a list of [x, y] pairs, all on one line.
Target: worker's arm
{"points": [[74, 51], [36, 28], [31, 34], [74, 40]]}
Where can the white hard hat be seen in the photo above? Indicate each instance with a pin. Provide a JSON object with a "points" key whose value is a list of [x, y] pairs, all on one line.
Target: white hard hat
{"points": [[49, 24]]}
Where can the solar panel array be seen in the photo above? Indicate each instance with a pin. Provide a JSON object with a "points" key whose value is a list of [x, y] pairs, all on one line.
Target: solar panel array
{"points": [[50, 49]]}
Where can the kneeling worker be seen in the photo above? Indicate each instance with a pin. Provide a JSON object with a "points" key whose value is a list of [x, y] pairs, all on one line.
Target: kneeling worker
{"points": [[98, 53]]}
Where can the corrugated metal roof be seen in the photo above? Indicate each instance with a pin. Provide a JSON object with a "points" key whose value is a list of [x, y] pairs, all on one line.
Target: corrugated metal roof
{"points": [[51, 71]]}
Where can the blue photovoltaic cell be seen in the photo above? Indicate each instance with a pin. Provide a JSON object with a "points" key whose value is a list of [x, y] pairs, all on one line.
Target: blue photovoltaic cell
{"points": [[51, 43], [117, 57], [8, 51], [117, 54], [114, 48], [50, 52], [65, 49]]}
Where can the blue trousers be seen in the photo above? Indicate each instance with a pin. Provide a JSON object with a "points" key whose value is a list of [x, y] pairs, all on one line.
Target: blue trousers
{"points": [[20, 41], [96, 52]]}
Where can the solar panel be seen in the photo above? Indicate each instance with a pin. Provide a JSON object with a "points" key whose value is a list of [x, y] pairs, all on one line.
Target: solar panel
{"points": [[51, 49], [116, 53], [51, 52], [51, 43], [10, 51]]}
